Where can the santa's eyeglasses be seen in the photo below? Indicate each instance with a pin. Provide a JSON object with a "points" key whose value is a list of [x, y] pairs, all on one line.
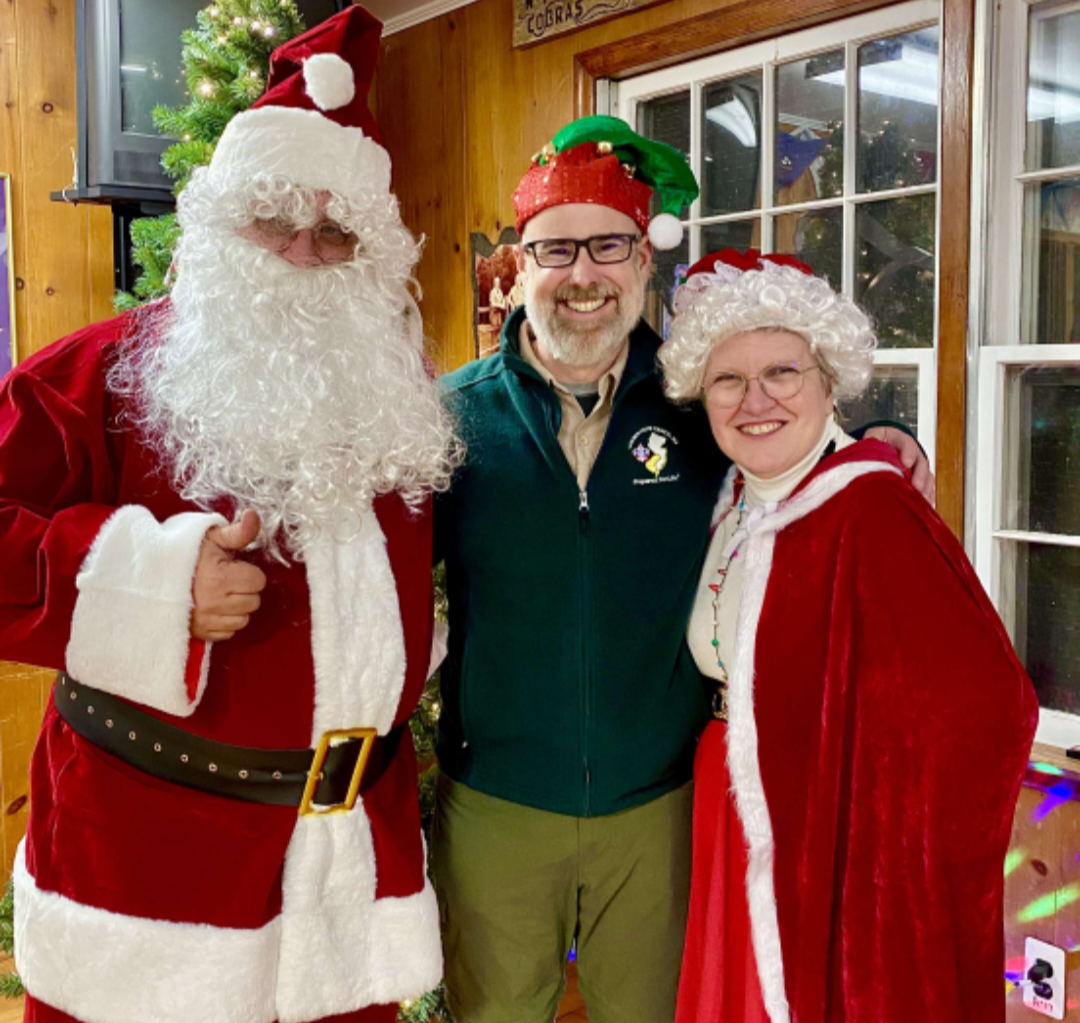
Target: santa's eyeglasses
{"points": [[551, 253], [328, 236]]}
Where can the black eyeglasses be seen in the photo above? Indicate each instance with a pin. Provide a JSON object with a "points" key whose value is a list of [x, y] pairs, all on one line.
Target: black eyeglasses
{"points": [[602, 248]]}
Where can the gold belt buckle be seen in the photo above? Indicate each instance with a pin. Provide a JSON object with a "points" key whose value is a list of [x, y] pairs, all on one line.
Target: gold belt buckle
{"points": [[333, 738]]}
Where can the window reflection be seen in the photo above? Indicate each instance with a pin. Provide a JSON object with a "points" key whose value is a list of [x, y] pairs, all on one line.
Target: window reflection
{"points": [[898, 101], [731, 136]]}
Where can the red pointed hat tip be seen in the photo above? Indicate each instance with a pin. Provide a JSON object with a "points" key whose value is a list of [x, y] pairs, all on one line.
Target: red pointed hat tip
{"points": [[751, 259]]}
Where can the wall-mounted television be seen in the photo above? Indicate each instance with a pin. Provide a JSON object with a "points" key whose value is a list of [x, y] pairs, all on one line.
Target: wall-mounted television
{"points": [[128, 61]]}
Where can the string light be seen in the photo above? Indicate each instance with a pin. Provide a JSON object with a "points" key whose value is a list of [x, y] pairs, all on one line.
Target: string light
{"points": [[269, 31], [222, 40], [238, 20], [206, 89], [256, 25], [213, 12]]}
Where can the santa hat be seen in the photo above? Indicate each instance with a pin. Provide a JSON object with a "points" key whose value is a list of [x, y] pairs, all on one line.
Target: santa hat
{"points": [[312, 125], [602, 160]]}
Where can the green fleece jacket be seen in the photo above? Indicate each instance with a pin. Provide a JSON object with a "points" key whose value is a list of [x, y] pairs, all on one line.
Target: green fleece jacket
{"points": [[568, 686]]}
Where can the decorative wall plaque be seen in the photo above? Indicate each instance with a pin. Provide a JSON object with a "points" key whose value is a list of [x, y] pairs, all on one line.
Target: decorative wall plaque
{"points": [[537, 20]]}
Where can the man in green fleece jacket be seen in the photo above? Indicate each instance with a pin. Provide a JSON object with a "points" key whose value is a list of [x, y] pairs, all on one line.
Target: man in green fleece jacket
{"points": [[573, 538]]}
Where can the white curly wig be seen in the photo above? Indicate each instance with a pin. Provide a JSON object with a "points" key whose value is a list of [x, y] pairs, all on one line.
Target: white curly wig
{"points": [[713, 306]]}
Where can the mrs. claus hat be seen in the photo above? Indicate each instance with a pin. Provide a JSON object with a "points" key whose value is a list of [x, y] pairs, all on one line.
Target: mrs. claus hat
{"points": [[312, 125]]}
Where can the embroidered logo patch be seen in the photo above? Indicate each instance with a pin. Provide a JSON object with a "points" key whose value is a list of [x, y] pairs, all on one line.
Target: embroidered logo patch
{"points": [[652, 447]]}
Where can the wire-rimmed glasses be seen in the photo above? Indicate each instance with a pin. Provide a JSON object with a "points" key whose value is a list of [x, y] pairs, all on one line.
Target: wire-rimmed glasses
{"points": [[780, 381]]}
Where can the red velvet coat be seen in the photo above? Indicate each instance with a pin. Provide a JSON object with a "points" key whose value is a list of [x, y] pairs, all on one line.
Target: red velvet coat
{"points": [[879, 728], [141, 900]]}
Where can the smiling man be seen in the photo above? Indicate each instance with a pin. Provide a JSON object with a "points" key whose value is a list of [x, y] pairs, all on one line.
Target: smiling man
{"points": [[573, 538]]}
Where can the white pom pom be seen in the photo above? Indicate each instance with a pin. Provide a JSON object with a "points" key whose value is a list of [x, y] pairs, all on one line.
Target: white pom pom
{"points": [[665, 231], [329, 81]]}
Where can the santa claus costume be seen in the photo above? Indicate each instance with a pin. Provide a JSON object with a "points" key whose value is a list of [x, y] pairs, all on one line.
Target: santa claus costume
{"points": [[854, 802], [163, 893]]}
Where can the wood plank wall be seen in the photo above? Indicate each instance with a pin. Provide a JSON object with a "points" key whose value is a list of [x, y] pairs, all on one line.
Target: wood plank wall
{"points": [[461, 113], [63, 264]]}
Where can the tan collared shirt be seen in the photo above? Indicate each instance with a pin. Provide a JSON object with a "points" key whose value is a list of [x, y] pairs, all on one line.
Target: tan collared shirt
{"points": [[580, 436]]}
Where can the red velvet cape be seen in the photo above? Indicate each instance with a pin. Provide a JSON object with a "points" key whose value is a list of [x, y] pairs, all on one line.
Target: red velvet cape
{"points": [[892, 723]]}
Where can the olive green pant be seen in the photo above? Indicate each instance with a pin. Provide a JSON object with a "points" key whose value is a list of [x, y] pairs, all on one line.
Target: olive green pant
{"points": [[516, 885]]}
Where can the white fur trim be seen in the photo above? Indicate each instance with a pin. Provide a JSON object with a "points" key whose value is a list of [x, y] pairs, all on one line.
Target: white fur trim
{"points": [[130, 633], [282, 140], [329, 81], [357, 639], [341, 948], [104, 967], [742, 736]]}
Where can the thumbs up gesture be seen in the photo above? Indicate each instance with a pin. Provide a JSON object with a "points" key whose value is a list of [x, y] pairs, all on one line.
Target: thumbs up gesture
{"points": [[225, 590]]}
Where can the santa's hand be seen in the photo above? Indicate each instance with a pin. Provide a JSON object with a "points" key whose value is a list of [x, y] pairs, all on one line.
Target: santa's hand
{"points": [[911, 457], [225, 591]]}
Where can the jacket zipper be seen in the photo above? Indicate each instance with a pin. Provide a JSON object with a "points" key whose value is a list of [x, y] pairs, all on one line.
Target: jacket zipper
{"points": [[586, 631]]}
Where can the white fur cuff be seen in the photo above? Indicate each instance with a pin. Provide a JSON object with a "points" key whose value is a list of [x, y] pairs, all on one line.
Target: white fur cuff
{"points": [[130, 634]]}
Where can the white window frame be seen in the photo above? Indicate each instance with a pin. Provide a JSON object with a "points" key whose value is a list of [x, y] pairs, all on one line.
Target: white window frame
{"points": [[1003, 331], [623, 97]]}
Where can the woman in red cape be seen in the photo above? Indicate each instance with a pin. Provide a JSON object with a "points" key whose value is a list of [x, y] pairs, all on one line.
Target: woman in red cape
{"points": [[854, 796]]}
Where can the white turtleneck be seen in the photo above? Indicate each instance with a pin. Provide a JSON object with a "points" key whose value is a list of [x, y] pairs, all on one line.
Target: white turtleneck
{"points": [[762, 495]]}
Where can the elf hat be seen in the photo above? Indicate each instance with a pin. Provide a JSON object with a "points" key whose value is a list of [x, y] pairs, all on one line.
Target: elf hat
{"points": [[602, 160], [312, 125]]}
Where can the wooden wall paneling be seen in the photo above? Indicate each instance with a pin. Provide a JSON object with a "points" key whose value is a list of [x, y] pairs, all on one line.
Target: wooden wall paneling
{"points": [[25, 692], [100, 278], [1042, 884], [954, 246], [55, 239], [420, 108], [11, 162]]}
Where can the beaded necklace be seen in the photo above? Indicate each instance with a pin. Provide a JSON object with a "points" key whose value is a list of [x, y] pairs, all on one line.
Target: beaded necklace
{"points": [[728, 555]]}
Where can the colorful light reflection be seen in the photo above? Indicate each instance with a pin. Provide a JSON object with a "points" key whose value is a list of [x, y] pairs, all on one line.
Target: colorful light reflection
{"points": [[1048, 905]]}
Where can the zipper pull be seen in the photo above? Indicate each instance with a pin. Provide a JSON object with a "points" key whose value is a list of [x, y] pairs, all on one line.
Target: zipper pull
{"points": [[583, 502]]}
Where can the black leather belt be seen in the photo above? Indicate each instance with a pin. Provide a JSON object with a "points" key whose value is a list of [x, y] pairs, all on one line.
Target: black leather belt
{"points": [[329, 776]]}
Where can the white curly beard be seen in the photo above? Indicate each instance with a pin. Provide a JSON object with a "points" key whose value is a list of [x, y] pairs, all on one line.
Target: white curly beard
{"points": [[299, 392]]}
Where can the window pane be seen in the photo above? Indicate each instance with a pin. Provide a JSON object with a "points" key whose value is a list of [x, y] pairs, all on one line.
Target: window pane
{"points": [[1051, 239], [816, 237], [670, 266], [736, 234], [810, 128], [1043, 467], [898, 111], [894, 269], [1053, 96], [1047, 620], [667, 119], [731, 139], [893, 394]]}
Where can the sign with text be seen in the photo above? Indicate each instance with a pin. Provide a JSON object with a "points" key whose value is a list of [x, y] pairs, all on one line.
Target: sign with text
{"points": [[537, 20]]}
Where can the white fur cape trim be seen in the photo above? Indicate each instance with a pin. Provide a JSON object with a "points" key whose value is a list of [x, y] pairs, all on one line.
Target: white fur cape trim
{"points": [[742, 737], [304, 146], [130, 633], [104, 967]]}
